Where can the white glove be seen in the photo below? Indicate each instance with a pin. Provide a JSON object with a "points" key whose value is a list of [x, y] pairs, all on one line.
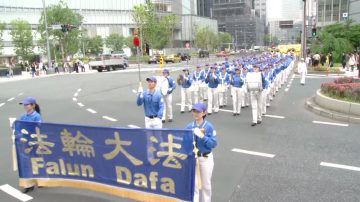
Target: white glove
{"points": [[198, 132], [140, 89]]}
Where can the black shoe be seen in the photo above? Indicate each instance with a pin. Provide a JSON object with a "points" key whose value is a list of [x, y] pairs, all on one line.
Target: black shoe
{"points": [[253, 124], [258, 122], [182, 112], [243, 107], [26, 190], [209, 114], [234, 114], [238, 114], [221, 107], [170, 120], [205, 99], [163, 121]]}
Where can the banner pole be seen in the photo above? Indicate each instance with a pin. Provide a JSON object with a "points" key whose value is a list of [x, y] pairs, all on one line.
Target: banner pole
{"points": [[14, 157]]}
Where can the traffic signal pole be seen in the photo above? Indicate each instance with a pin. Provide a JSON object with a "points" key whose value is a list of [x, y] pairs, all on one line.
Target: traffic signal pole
{"points": [[304, 32], [47, 36]]}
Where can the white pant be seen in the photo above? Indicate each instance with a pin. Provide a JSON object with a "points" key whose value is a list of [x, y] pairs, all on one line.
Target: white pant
{"points": [[264, 100], [237, 97], [197, 94], [204, 92], [153, 123], [206, 168], [245, 101], [168, 107], [303, 76], [213, 97], [186, 96], [223, 97], [255, 97]]}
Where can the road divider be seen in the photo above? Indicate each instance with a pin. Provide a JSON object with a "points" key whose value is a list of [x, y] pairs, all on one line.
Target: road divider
{"points": [[75, 99], [133, 126], [334, 165], [11, 99], [80, 104], [109, 118], [91, 111], [274, 116], [253, 153], [15, 193], [2, 104], [331, 123]]}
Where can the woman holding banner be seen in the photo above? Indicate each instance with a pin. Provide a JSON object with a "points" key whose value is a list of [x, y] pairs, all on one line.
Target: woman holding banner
{"points": [[32, 113], [205, 142]]}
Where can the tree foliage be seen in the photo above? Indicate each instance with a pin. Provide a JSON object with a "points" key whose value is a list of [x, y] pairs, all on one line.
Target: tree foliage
{"points": [[2, 28], [22, 37], [206, 39], [337, 39], [94, 45], [115, 42], [153, 29], [60, 13], [225, 37]]}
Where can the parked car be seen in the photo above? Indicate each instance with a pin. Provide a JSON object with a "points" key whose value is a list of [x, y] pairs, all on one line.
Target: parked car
{"points": [[172, 58], [154, 59], [203, 54], [184, 56]]}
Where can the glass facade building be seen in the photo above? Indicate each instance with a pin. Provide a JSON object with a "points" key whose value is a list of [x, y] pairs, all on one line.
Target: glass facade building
{"points": [[354, 10], [331, 11]]}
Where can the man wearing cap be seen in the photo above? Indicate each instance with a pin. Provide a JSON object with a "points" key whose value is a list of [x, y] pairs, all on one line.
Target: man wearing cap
{"points": [[185, 81], [213, 81], [170, 83], [204, 86], [224, 79], [205, 142], [198, 79], [302, 69], [237, 91], [153, 102]]}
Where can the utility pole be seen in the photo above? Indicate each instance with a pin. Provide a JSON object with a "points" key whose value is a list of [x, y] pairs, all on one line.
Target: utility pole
{"points": [[47, 36], [304, 32]]}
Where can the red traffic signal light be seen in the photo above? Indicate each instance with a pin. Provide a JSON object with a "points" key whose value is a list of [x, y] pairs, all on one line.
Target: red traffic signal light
{"points": [[136, 41]]}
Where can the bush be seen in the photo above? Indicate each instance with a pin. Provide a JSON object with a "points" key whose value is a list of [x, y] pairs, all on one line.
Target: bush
{"points": [[342, 88]]}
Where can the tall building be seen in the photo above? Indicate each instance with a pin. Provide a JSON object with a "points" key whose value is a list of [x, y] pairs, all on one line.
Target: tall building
{"points": [[354, 10], [332, 11], [204, 8], [238, 18], [105, 17], [260, 7]]}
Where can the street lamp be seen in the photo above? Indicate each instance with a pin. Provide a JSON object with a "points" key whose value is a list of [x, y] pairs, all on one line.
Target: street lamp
{"points": [[47, 36]]}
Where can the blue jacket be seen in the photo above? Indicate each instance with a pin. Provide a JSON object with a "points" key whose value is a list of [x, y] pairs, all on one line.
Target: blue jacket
{"points": [[33, 116], [237, 81], [172, 85], [211, 81], [199, 76], [153, 103], [209, 141], [187, 82]]}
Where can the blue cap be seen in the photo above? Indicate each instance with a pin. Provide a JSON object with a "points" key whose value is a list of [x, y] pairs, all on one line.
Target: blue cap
{"points": [[215, 63], [207, 64], [200, 107], [223, 67], [166, 71], [28, 100], [237, 68], [186, 69], [152, 78], [198, 66], [213, 67]]}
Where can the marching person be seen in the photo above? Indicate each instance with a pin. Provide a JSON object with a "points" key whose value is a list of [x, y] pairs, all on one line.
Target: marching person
{"points": [[237, 91], [266, 90], [168, 112], [205, 142], [254, 86], [198, 79], [204, 86], [245, 100], [224, 79], [185, 81], [213, 81], [153, 103], [32, 113], [302, 69]]}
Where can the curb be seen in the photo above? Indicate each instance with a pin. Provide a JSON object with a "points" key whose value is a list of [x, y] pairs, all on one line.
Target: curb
{"points": [[313, 107]]}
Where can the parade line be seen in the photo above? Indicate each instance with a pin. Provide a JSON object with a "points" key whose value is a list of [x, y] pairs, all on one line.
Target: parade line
{"points": [[253, 153], [333, 165]]}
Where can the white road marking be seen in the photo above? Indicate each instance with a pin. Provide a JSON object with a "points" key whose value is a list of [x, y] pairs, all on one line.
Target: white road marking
{"points": [[333, 165], [134, 91], [91, 110], [15, 193], [293, 76], [288, 86], [11, 99], [76, 94], [2, 104], [331, 123], [80, 104], [20, 94], [286, 89], [133, 126], [253, 153], [274, 116], [78, 90], [109, 118], [74, 99]]}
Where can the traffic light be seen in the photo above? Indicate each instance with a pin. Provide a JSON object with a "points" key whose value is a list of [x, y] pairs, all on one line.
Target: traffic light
{"points": [[313, 32], [161, 61]]}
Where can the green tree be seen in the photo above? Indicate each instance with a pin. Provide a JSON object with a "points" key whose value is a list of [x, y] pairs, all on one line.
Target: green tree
{"points": [[94, 45], [2, 28], [115, 42], [225, 37], [169, 22], [69, 42], [205, 38], [22, 38]]}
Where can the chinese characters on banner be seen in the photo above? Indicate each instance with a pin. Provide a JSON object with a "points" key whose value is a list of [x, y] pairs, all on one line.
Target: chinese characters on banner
{"points": [[136, 163]]}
